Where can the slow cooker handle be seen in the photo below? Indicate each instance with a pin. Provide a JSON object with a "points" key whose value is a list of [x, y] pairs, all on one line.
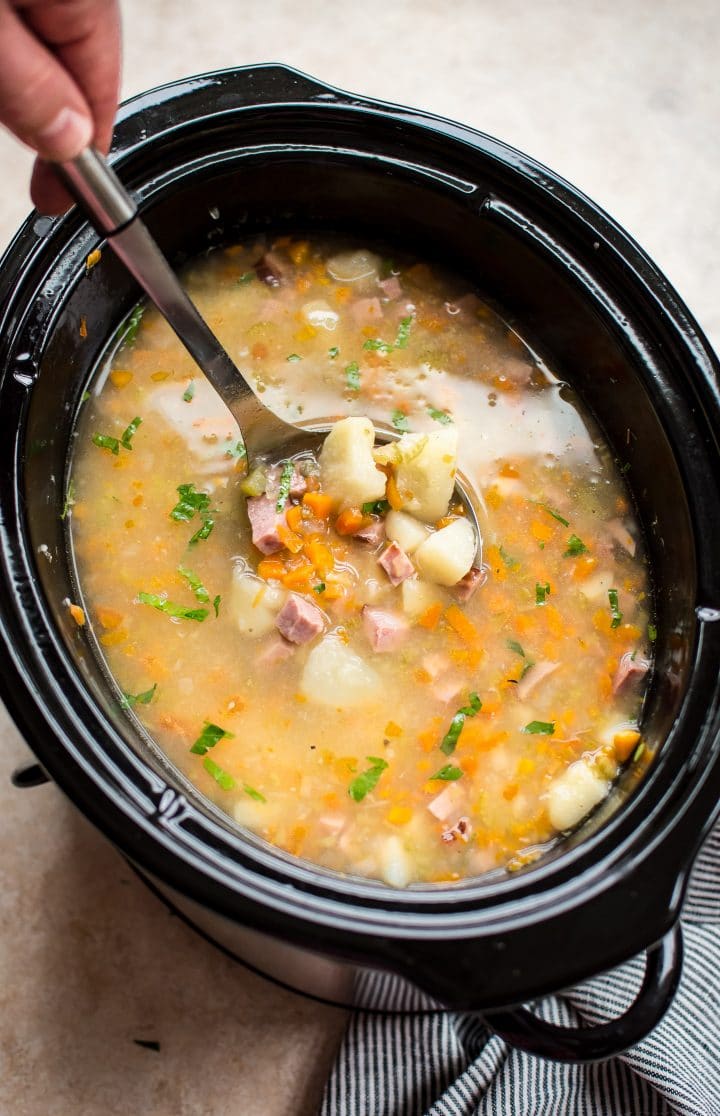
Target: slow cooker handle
{"points": [[522, 1029]]}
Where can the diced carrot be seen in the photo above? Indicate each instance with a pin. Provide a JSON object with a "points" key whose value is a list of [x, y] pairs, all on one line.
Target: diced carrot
{"points": [[77, 614], [298, 576], [306, 333], [465, 628], [259, 351], [289, 539], [137, 500], [120, 379], [320, 555], [158, 377], [429, 618], [94, 258], [293, 516], [508, 470], [271, 568], [493, 499], [444, 522], [422, 676], [298, 251], [393, 495], [342, 294], [320, 504], [109, 618], [541, 532], [83, 328], [625, 743], [510, 791], [399, 815], [111, 639], [584, 566], [350, 521], [391, 729]]}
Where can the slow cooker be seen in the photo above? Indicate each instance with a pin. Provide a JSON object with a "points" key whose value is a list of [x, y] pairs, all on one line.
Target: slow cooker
{"points": [[266, 148]]}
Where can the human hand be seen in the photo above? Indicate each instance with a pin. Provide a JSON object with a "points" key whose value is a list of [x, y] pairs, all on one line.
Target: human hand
{"points": [[59, 81]]}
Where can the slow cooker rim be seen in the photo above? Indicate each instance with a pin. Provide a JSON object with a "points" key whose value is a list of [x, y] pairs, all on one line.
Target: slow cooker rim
{"points": [[435, 119]]}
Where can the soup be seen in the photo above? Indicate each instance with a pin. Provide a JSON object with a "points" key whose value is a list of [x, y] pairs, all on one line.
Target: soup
{"points": [[321, 646]]}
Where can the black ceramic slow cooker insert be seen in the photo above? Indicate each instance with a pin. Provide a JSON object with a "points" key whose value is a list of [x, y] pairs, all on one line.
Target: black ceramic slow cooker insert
{"points": [[266, 148]]}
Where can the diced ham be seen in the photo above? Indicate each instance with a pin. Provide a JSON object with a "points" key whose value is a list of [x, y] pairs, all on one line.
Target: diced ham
{"points": [[466, 586], [373, 534], [533, 677], [264, 522], [396, 564], [276, 651], [391, 287], [386, 631], [629, 669], [298, 484], [459, 832], [269, 269], [367, 311], [299, 620]]}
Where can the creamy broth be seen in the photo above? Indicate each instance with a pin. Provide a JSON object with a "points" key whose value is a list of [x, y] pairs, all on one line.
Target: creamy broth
{"points": [[485, 722]]}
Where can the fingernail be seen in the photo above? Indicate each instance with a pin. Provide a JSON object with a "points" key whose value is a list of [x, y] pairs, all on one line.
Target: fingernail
{"points": [[65, 136]]}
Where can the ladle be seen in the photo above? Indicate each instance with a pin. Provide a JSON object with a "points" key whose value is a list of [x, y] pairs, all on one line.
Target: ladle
{"points": [[113, 213]]}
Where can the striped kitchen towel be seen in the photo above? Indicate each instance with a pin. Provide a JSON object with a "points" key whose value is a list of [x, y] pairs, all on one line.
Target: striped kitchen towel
{"points": [[452, 1065]]}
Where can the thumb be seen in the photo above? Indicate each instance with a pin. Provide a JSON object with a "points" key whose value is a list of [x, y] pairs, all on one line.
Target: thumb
{"points": [[39, 101]]}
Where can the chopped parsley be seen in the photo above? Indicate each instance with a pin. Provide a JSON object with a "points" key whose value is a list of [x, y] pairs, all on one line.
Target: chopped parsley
{"points": [[128, 700], [246, 277], [638, 752], [334, 352], [516, 647], [451, 737], [254, 793], [189, 392], [352, 376], [614, 608], [216, 605], [129, 433], [195, 584], [449, 773], [293, 358], [439, 416], [203, 532], [542, 592], [210, 736], [376, 507], [400, 422], [555, 515], [190, 502], [511, 563], [223, 780], [403, 333], [540, 728], [575, 546], [375, 345], [362, 784], [284, 487], [106, 441], [69, 499], [129, 328], [320, 588], [179, 612], [652, 632]]}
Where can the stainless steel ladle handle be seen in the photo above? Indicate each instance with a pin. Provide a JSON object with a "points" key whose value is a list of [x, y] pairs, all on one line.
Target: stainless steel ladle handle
{"points": [[114, 214]]}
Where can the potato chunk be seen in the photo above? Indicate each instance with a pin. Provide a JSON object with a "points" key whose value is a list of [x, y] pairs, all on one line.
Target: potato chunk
{"points": [[447, 555], [418, 596], [573, 794], [334, 675], [254, 604], [405, 530], [426, 480], [347, 468]]}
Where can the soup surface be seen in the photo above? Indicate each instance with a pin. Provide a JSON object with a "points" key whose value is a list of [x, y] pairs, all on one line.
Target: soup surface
{"points": [[357, 685]]}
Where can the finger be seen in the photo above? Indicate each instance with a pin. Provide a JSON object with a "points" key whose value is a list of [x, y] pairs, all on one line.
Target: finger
{"points": [[85, 37], [39, 101]]}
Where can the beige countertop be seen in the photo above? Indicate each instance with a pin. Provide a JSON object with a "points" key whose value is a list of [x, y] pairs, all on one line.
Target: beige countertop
{"points": [[623, 99]]}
